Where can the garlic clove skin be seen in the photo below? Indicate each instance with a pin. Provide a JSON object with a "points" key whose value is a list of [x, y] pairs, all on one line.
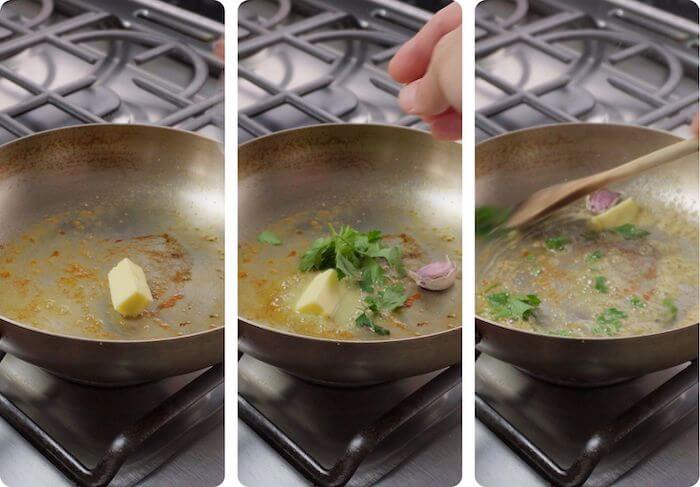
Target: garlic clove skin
{"points": [[602, 200], [436, 276]]}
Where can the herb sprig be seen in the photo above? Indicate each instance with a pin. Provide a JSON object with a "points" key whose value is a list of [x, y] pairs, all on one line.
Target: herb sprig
{"points": [[504, 305], [360, 257]]}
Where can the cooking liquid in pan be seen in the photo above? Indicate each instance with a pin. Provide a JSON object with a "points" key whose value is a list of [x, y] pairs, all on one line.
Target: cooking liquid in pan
{"points": [[270, 282], [54, 275], [652, 281]]}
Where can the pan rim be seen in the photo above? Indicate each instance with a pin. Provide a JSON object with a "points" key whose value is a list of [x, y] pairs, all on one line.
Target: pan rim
{"points": [[349, 124], [111, 125], [486, 321], [402, 128], [5, 321]]}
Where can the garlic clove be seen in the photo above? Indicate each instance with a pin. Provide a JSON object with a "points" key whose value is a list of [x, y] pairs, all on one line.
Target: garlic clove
{"points": [[436, 276], [599, 201]]}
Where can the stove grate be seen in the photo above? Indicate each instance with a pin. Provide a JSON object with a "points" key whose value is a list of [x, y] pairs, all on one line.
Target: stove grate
{"points": [[362, 444], [124, 445], [193, 111], [321, 24], [560, 23], [600, 443]]}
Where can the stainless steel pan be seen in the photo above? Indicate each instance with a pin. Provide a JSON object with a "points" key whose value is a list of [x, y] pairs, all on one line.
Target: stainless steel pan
{"points": [[510, 167], [73, 202], [370, 175]]}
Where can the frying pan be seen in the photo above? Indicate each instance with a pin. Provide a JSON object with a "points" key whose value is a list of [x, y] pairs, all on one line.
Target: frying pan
{"points": [[361, 172], [75, 201], [512, 166]]}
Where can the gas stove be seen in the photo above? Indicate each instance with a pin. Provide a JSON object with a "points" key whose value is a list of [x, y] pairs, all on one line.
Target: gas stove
{"points": [[549, 61], [68, 62], [306, 62]]}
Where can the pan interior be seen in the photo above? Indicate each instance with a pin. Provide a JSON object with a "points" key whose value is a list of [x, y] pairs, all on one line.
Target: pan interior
{"points": [[370, 177], [76, 207], [652, 281]]}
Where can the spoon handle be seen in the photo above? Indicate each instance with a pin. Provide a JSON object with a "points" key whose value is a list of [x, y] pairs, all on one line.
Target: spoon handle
{"points": [[662, 156]]}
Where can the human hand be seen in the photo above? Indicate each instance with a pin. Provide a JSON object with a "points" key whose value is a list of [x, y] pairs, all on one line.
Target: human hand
{"points": [[430, 64], [695, 126]]}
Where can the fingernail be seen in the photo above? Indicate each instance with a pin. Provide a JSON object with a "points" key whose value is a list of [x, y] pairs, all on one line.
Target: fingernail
{"points": [[407, 97]]}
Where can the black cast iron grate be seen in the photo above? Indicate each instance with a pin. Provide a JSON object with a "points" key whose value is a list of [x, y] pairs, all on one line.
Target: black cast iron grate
{"points": [[600, 443], [560, 23], [124, 444], [321, 23], [193, 111], [362, 444]]}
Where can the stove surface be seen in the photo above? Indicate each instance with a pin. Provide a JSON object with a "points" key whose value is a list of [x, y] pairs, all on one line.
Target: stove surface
{"points": [[305, 62], [66, 62], [550, 61]]}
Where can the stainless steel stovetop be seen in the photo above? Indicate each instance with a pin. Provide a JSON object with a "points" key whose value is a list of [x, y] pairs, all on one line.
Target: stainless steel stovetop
{"points": [[67, 62], [304, 62], [551, 61]]}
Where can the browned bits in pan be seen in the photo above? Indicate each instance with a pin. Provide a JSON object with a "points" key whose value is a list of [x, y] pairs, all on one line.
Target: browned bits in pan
{"points": [[55, 253], [411, 299], [292, 253], [4, 274], [170, 302]]}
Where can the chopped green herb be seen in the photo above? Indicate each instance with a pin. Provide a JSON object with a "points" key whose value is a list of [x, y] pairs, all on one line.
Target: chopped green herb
{"points": [[350, 252], [489, 218], [595, 255], [267, 237], [600, 284], [637, 302], [609, 322], [364, 321], [387, 299], [630, 231], [503, 305], [536, 271], [556, 243], [372, 275], [530, 257], [671, 308]]}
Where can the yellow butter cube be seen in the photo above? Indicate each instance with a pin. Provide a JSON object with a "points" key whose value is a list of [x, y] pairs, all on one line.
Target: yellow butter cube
{"points": [[321, 296], [129, 289], [625, 212]]}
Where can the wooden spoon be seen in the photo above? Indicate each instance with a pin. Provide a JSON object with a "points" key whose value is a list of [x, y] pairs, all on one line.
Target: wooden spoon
{"points": [[544, 201]]}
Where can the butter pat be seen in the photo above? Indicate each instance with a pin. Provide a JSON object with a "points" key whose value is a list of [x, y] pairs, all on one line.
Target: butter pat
{"points": [[321, 296], [129, 289], [625, 212]]}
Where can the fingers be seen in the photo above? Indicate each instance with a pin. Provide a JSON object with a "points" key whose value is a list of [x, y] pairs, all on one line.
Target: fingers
{"points": [[446, 126], [695, 127], [219, 48], [411, 61], [441, 87]]}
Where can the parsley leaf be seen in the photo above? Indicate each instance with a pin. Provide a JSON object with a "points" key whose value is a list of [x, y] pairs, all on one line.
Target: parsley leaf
{"points": [[372, 275], [387, 299], [267, 237], [600, 284], [637, 302], [503, 305], [609, 322], [630, 231], [595, 255], [320, 256], [488, 218], [364, 321], [671, 308], [556, 243]]}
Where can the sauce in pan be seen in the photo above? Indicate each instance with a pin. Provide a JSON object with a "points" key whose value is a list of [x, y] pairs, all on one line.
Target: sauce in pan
{"points": [[54, 276], [270, 283], [588, 284]]}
